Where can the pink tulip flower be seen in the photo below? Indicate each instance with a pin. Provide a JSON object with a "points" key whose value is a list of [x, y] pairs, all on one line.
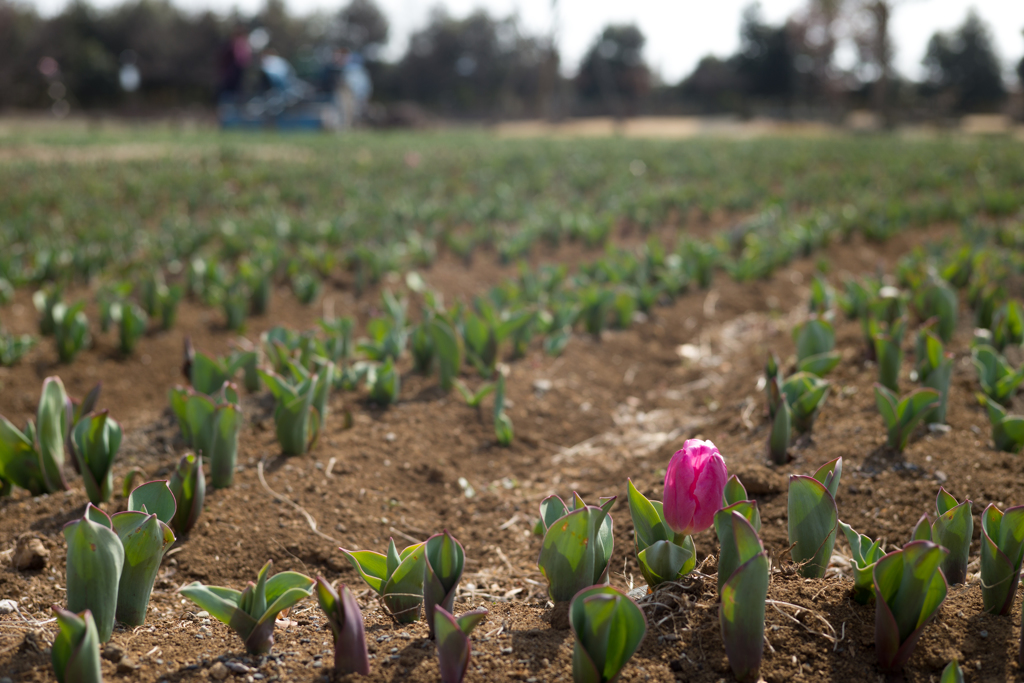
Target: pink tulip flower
{"points": [[694, 484]]}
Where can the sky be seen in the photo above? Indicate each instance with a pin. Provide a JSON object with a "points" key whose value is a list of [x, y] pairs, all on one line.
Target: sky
{"points": [[679, 32]]}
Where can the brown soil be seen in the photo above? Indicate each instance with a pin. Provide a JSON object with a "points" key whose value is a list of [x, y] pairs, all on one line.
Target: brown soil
{"points": [[616, 408]]}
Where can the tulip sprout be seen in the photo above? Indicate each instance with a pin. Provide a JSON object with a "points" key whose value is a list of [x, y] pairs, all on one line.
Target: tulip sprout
{"points": [[1002, 549], [1007, 430], [145, 537], [608, 628], [734, 499], [663, 554], [97, 439], [814, 517], [72, 330], [743, 595], [133, 321], [805, 394], [935, 369], [997, 377], [815, 347], [902, 415], [396, 577], [452, 638], [346, 622], [252, 612], [577, 546], [952, 673], [865, 554], [449, 350], [445, 559], [385, 383], [188, 484], [909, 588], [953, 530], [76, 649], [94, 564], [502, 422], [34, 459], [210, 424]]}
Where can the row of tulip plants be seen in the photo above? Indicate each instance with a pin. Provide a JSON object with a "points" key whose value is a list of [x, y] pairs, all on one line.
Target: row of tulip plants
{"points": [[112, 564]]}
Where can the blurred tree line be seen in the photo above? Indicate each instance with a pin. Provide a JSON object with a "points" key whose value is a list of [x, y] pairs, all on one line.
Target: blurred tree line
{"points": [[486, 66]]}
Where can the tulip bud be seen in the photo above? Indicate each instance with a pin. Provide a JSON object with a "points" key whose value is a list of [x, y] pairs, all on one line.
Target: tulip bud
{"points": [[694, 484]]}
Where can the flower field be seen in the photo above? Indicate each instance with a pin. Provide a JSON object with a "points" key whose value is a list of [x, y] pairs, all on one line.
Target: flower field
{"points": [[444, 407]]}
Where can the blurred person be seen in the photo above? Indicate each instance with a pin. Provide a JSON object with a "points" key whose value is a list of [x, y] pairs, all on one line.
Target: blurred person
{"points": [[235, 58]]}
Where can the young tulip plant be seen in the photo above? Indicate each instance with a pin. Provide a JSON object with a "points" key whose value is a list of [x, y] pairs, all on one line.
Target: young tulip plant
{"points": [[576, 550], [503, 430], [34, 459], [607, 628], [94, 563], [902, 415], [734, 499], [997, 377], [443, 566], [210, 425], [146, 537], [865, 554], [953, 529], [76, 649], [132, 325], [815, 347], [934, 369], [96, 439], [76, 410], [1007, 430], [909, 588], [451, 634], [663, 554], [397, 578], [252, 613], [814, 517], [207, 374], [1002, 549], [744, 592], [449, 350], [384, 382], [188, 484], [952, 673], [298, 422], [346, 622]]}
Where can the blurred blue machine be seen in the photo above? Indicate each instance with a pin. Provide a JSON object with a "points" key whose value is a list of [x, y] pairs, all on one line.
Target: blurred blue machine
{"points": [[286, 102]]}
